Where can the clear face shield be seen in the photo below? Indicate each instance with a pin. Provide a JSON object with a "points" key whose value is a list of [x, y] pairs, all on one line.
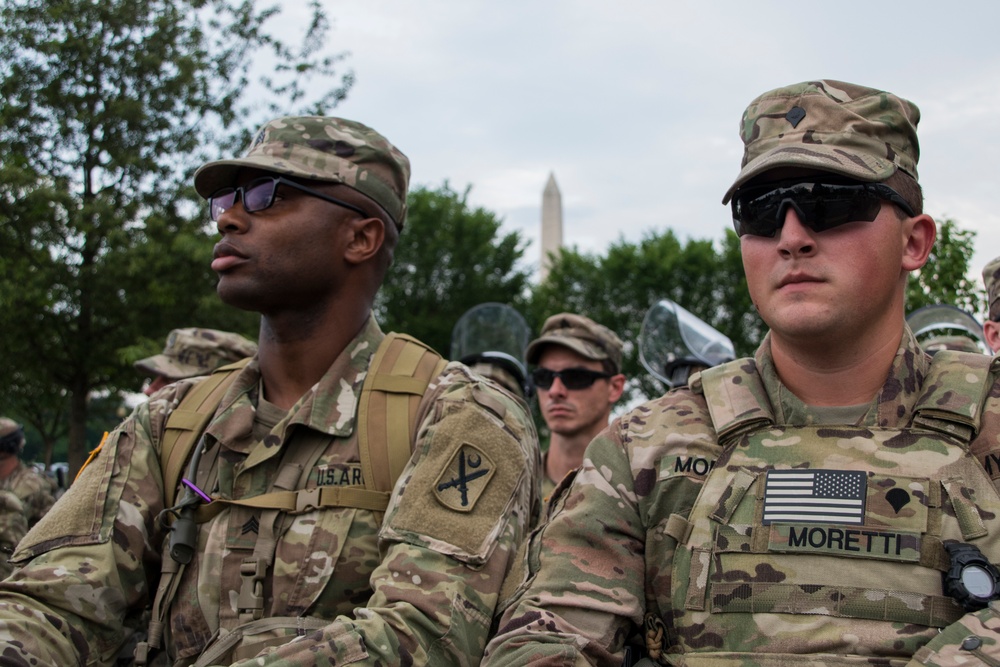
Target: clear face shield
{"points": [[491, 338], [945, 327], [673, 343]]}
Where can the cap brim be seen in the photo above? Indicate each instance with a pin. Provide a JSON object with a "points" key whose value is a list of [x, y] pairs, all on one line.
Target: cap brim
{"points": [[167, 367], [223, 173], [858, 165]]}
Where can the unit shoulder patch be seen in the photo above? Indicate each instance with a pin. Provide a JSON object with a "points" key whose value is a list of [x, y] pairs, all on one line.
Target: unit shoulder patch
{"points": [[464, 479]]}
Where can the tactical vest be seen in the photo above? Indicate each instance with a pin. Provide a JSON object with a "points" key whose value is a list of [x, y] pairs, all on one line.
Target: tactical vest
{"points": [[824, 544], [400, 371]]}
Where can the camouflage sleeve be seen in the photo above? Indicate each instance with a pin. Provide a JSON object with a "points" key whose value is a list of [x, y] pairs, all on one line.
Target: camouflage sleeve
{"points": [[450, 535], [13, 526], [584, 588], [83, 568]]}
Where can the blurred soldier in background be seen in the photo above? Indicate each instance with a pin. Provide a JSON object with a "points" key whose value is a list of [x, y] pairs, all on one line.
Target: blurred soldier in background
{"points": [[578, 378], [192, 352], [25, 494], [991, 327], [490, 339], [942, 326]]}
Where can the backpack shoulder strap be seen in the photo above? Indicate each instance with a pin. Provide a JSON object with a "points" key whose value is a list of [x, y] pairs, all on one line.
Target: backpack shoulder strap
{"points": [[398, 377], [187, 422]]}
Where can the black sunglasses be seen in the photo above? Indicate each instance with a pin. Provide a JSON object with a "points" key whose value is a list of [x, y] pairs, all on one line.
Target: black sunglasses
{"points": [[259, 194], [760, 210], [572, 378]]}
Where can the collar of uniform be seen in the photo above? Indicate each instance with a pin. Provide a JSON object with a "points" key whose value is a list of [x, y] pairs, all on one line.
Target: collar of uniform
{"points": [[902, 388], [331, 405]]}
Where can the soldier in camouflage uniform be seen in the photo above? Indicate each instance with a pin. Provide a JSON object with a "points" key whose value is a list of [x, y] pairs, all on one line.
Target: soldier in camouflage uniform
{"points": [[192, 352], [308, 220], [578, 378], [991, 327], [25, 495], [831, 501]]}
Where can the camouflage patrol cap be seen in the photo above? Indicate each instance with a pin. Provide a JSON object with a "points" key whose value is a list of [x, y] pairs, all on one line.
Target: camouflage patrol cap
{"points": [[8, 427], [580, 334], [321, 148], [193, 351], [955, 342], [991, 278], [850, 130], [11, 436]]}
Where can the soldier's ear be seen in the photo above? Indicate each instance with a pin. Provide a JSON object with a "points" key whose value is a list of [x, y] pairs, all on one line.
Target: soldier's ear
{"points": [[366, 238], [919, 233]]}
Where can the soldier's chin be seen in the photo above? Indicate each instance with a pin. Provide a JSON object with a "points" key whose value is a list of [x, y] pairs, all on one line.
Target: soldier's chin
{"points": [[236, 295]]}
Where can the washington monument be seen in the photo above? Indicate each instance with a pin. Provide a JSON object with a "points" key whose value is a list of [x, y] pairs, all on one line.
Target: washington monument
{"points": [[551, 224]]}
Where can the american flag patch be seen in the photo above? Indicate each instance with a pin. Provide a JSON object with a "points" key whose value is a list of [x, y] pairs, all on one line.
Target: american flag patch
{"points": [[815, 496]]}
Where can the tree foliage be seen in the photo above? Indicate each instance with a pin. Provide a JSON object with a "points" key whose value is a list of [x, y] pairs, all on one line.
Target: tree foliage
{"points": [[450, 258], [945, 278], [105, 109]]}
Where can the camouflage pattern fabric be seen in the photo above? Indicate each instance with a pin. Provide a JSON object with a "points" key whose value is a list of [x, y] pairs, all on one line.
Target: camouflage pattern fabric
{"points": [[34, 490], [833, 126], [422, 589], [194, 351], [321, 148], [661, 534], [25, 497], [13, 526], [991, 280]]}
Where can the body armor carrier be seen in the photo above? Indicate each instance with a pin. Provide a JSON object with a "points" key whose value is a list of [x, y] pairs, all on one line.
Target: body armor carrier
{"points": [[826, 543]]}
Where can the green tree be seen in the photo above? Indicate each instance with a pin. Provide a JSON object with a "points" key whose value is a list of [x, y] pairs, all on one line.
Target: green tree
{"points": [[105, 108], [450, 258], [945, 278], [617, 289]]}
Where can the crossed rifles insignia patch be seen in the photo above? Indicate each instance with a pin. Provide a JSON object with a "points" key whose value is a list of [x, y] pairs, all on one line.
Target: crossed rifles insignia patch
{"points": [[464, 479]]}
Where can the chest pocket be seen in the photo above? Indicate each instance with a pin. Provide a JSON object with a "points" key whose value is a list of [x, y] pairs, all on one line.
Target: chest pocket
{"points": [[848, 523]]}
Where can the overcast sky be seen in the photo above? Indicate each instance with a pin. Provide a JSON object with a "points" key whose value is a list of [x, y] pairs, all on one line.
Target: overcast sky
{"points": [[635, 105]]}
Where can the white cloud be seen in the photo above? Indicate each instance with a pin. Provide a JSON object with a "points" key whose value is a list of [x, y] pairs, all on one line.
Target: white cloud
{"points": [[635, 104]]}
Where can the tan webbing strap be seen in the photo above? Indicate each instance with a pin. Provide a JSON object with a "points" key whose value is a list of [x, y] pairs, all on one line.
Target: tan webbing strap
{"points": [[188, 420], [303, 500], [398, 376], [297, 463], [221, 643], [170, 577]]}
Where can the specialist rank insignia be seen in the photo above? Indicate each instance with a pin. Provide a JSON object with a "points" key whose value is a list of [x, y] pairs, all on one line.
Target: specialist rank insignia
{"points": [[464, 479]]}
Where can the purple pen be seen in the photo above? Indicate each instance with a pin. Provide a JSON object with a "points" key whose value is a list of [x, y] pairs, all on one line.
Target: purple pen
{"points": [[191, 485]]}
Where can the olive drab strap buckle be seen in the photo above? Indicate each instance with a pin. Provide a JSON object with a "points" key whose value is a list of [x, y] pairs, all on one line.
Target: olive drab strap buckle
{"points": [[251, 600]]}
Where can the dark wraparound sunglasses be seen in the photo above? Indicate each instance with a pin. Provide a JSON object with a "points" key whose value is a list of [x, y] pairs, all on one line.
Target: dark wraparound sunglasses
{"points": [[572, 378], [761, 210], [259, 193]]}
